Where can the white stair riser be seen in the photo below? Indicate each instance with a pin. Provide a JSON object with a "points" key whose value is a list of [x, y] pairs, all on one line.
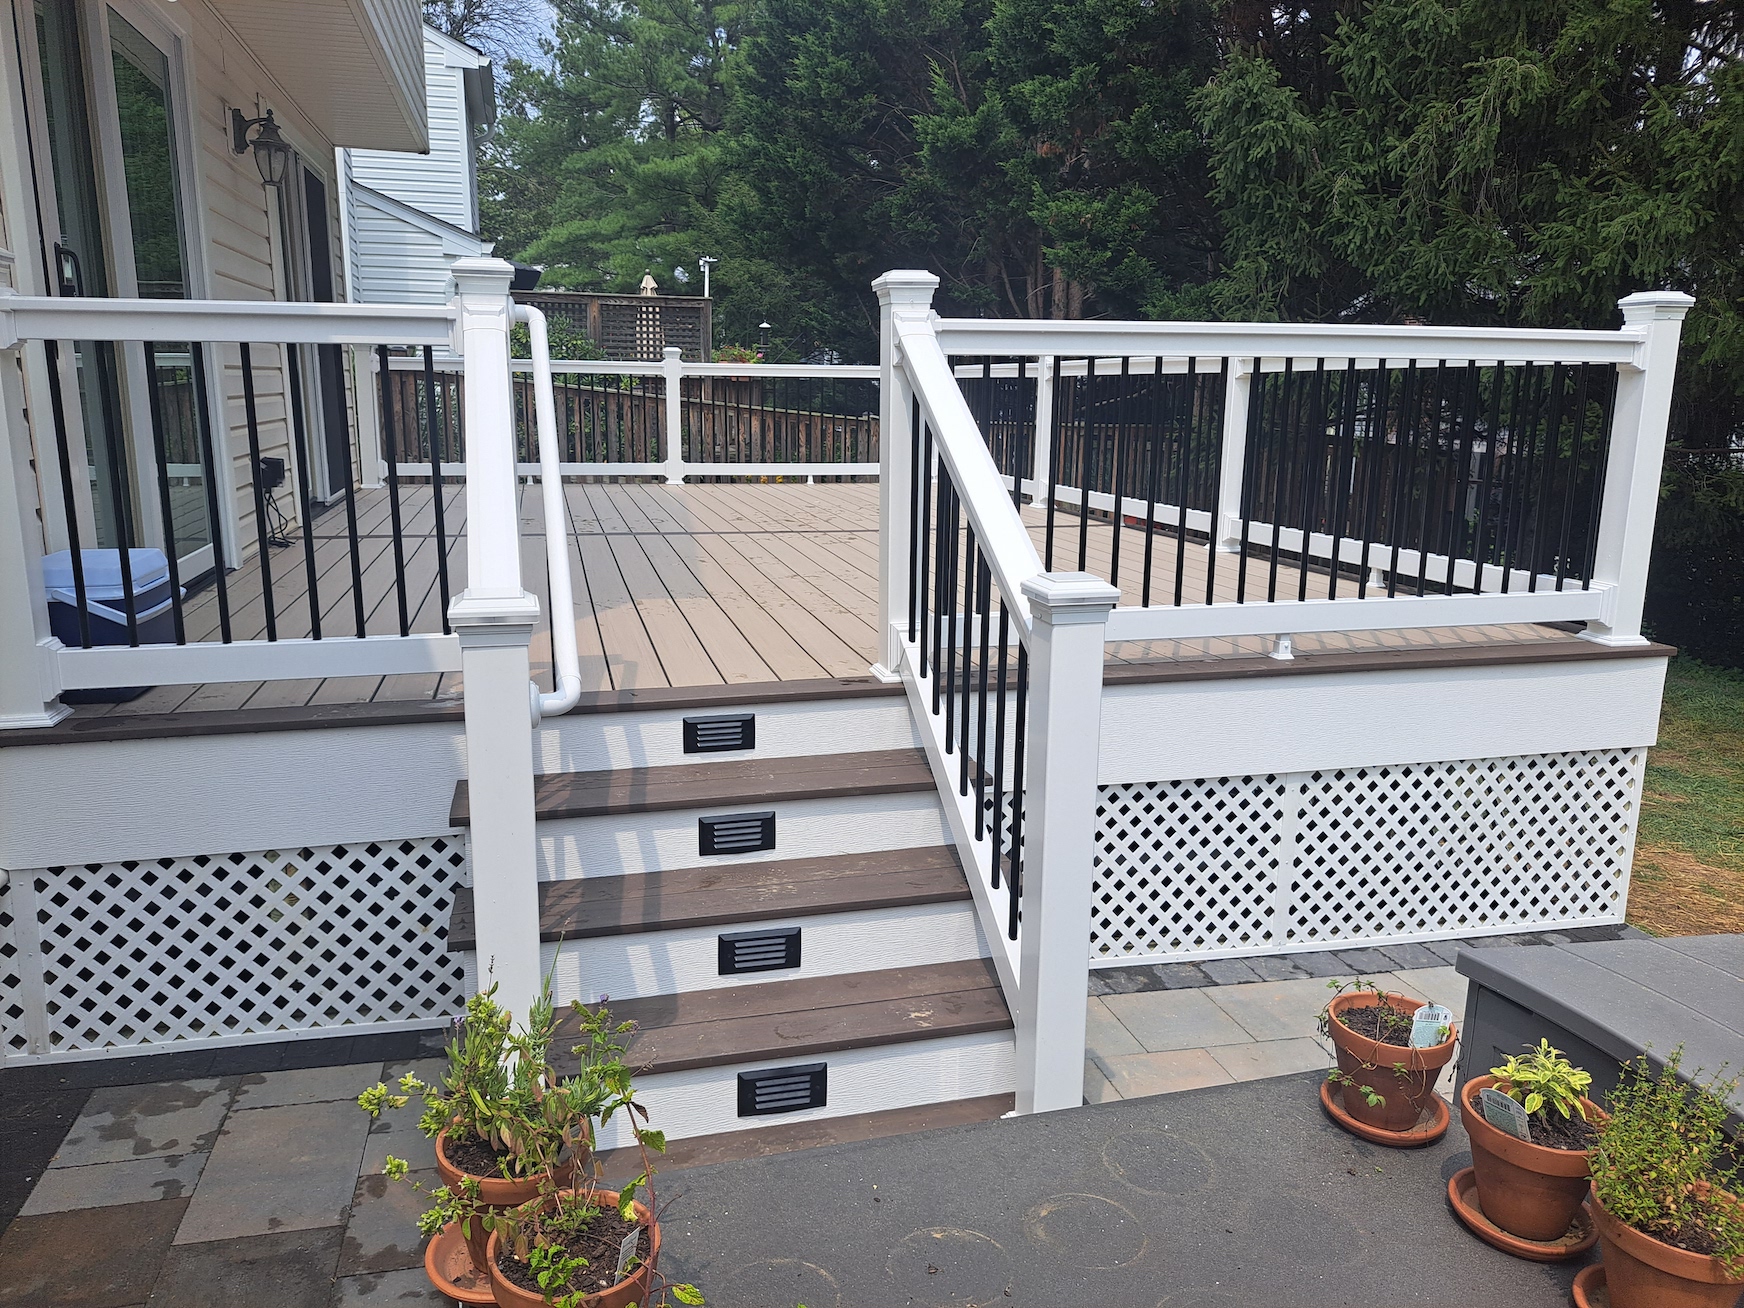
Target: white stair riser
{"points": [[625, 843], [677, 962], [705, 1101], [593, 742]]}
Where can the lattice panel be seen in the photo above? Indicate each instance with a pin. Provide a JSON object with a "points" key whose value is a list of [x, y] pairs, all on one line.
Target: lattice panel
{"points": [[1236, 865], [14, 1033], [152, 952]]}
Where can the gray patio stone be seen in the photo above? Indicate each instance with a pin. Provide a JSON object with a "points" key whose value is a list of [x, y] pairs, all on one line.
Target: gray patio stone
{"points": [[283, 1269], [1439, 985], [1097, 1087], [1098, 984], [86, 1258], [1409, 956], [402, 1289], [1128, 980], [1175, 1019], [1273, 1010], [1364, 962], [1277, 967], [1446, 950], [1320, 963], [382, 1235], [101, 1185], [1103, 1032], [1136, 1076], [307, 1085], [1229, 971], [1181, 976], [1263, 1058], [289, 1168], [169, 1118]]}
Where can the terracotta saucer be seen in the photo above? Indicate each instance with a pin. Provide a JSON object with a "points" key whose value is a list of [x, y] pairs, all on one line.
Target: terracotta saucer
{"points": [[1589, 1288], [448, 1264], [1426, 1132], [1462, 1193]]}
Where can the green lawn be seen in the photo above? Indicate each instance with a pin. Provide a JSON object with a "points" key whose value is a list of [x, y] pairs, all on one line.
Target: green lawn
{"points": [[1689, 860]]}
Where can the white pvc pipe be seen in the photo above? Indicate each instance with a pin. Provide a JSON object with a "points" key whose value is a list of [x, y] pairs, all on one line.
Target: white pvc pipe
{"points": [[568, 665]]}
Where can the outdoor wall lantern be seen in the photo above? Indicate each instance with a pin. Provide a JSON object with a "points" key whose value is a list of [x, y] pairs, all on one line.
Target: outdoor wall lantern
{"points": [[272, 153]]}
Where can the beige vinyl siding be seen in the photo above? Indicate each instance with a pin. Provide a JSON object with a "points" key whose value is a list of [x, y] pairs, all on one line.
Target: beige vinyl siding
{"points": [[438, 183]]}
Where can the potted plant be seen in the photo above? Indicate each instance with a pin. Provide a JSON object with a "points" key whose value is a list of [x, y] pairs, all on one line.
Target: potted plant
{"points": [[1532, 1188], [581, 1245], [1383, 1082], [1665, 1192], [505, 1126]]}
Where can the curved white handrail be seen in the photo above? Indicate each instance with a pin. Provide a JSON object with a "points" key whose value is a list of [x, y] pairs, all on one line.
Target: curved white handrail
{"points": [[566, 661]]}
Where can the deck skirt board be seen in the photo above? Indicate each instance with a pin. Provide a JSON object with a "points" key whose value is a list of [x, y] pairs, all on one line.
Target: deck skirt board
{"points": [[718, 784], [780, 1020], [592, 907]]}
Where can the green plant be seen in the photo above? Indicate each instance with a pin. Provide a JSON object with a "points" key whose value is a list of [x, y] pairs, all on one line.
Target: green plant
{"points": [[738, 354], [1395, 1023], [1541, 1079], [1662, 1164], [1368, 1092], [564, 338]]}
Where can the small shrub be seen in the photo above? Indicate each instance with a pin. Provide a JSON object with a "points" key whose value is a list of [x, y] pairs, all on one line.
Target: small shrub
{"points": [[1663, 1165], [1541, 1080]]}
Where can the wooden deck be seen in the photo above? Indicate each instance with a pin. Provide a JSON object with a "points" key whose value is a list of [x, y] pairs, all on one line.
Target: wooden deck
{"points": [[685, 586]]}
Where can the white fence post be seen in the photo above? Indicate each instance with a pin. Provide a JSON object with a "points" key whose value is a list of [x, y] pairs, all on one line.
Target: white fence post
{"points": [[1632, 471], [494, 619], [909, 294], [27, 685], [1041, 447], [671, 408], [1070, 610], [1226, 523]]}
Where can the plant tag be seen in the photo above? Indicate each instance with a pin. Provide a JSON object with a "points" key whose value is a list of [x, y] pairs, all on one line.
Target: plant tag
{"points": [[1504, 1114], [1430, 1026], [627, 1247]]}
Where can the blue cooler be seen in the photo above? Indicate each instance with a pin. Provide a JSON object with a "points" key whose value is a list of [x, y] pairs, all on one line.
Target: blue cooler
{"points": [[106, 607]]}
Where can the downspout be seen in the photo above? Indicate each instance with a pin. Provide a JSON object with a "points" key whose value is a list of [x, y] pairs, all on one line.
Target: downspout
{"points": [[567, 664]]}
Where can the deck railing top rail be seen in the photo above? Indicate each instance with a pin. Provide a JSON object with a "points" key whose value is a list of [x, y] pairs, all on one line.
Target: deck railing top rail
{"points": [[255, 322]]}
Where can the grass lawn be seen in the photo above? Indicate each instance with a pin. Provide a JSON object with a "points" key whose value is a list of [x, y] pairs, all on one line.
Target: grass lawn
{"points": [[1689, 859]]}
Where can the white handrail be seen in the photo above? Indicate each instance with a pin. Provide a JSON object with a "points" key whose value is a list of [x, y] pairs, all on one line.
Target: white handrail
{"points": [[565, 660], [256, 322]]}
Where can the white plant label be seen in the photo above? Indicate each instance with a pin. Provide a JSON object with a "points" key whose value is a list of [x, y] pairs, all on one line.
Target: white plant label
{"points": [[1430, 1027], [627, 1248], [1504, 1114]]}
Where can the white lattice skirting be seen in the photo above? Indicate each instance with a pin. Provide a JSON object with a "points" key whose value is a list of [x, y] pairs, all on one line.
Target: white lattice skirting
{"points": [[1225, 866], [135, 956]]}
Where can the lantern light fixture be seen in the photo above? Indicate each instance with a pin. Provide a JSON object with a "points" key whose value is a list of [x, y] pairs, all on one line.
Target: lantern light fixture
{"points": [[272, 153]]}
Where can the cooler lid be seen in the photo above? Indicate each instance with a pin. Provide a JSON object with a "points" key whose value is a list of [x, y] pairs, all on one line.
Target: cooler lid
{"points": [[103, 570]]}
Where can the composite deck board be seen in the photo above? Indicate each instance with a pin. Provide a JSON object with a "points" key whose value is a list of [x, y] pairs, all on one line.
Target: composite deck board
{"points": [[711, 785], [775, 1020], [746, 892]]}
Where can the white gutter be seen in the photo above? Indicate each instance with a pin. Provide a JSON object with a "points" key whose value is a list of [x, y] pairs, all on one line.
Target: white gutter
{"points": [[568, 665]]}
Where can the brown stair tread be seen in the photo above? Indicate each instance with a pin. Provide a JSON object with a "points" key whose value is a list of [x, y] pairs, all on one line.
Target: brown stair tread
{"points": [[715, 785], [741, 892], [779, 1021], [786, 1137]]}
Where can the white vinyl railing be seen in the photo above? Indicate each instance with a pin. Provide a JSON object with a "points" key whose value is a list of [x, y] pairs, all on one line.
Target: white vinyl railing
{"points": [[1441, 476]]}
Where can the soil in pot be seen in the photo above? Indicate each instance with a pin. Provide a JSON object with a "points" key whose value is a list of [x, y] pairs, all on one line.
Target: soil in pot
{"points": [[516, 1288], [1531, 1189], [1642, 1272], [598, 1244], [1371, 1059]]}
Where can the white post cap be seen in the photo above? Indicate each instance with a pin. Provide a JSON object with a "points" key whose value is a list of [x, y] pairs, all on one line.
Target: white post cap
{"points": [[906, 286], [1655, 306], [481, 276], [1058, 598]]}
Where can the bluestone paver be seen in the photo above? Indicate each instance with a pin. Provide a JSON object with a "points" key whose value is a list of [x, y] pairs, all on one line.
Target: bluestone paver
{"points": [[382, 1234], [1277, 967], [307, 1085], [290, 1168], [1097, 1087], [1364, 962], [100, 1185], [283, 1269], [1104, 1033], [1273, 1010], [1229, 971], [1162, 1020], [1439, 985], [1262, 1058], [1407, 957], [89, 1257], [1135, 1076], [136, 1121], [408, 1288]]}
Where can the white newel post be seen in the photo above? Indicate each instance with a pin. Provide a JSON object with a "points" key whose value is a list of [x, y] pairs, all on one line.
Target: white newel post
{"points": [[494, 618], [1632, 472], [1041, 440], [1238, 390], [27, 682], [672, 410], [1065, 732], [909, 294]]}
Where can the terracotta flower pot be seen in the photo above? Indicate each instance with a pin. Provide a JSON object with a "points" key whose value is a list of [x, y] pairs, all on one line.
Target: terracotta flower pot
{"points": [[634, 1288], [497, 1191], [1406, 1094], [1528, 1190], [1641, 1272]]}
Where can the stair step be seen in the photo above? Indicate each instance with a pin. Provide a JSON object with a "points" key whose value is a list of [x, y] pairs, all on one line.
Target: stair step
{"points": [[723, 896], [717, 785], [787, 1137], [778, 1021]]}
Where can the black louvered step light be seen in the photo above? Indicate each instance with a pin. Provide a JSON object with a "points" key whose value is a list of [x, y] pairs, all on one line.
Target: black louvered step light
{"points": [[759, 951], [783, 1089], [720, 732], [735, 833]]}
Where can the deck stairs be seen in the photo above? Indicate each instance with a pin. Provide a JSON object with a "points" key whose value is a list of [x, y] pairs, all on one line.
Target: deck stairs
{"points": [[769, 889]]}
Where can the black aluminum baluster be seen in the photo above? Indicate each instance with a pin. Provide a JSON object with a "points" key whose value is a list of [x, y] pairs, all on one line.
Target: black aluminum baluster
{"points": [[1085, 429], [1373, 464], [965, 637], [1343, 460], [1470, 404], [299, 442], [1284, 446], [1313, 471], [1054, 445], [76, 553], [983, 580], [927, 565], [1432, 461], [1014, 874], [1601, 464], [437, 490], [1117, 480], [1493, 422], [1214, 491], [197, 354], [1568, 486], [1189, 428], [264, 544], [914, 527], [999, 743], [117, 497], [1404, 469], [394, 492], [1251, 470], [1153, 473], [160, 453]]}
